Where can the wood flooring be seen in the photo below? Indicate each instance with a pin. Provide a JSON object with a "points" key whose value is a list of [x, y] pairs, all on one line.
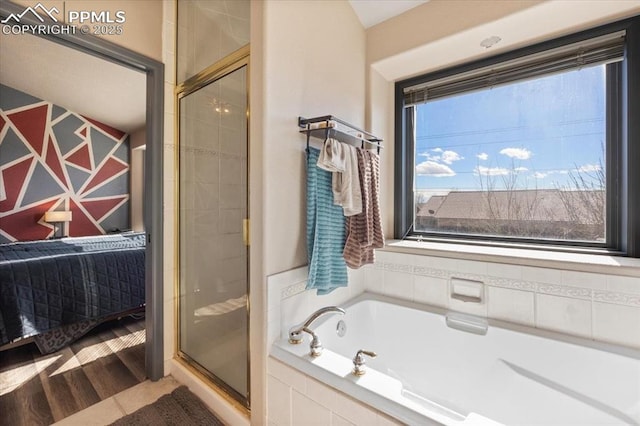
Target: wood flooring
{"points": [[38, 389]]}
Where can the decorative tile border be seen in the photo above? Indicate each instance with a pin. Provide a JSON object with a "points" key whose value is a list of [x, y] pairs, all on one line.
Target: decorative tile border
{"points": [[430, 272], [617, 298], [566, 291], [292, 290], [523, 285], [513, 284], [398, 267]]}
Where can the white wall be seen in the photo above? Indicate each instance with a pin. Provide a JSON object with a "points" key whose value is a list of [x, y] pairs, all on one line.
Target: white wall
{"points": [[257, 294], [137, 141], [169, 174], [380, 101], [314, 62], [309, 60]]}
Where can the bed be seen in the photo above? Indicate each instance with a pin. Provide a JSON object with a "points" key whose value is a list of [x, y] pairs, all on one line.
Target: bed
{"points": [[57, 290]]}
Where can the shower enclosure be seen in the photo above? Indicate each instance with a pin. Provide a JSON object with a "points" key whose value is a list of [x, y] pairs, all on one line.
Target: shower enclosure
{"points": [[213, 312]]}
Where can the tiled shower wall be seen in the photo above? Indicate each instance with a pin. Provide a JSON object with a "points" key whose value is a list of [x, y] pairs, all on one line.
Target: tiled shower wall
{"points": [[598, 306], [208, 31]]}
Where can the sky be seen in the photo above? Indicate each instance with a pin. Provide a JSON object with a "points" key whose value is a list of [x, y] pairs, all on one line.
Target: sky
{"points": [[532, 133]]}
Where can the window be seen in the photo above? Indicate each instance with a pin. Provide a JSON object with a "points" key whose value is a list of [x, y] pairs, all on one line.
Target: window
{"points": [[536, 146]]}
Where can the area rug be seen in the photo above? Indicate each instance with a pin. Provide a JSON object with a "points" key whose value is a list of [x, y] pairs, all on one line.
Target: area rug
{"points": [[180, 407]]}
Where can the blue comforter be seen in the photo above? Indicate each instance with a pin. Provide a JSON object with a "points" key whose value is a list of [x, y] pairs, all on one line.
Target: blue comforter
{"points": [[48, 284]]}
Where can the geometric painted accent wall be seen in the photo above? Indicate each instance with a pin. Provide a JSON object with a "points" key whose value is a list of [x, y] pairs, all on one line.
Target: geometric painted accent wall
{"points": [[55, 159]]}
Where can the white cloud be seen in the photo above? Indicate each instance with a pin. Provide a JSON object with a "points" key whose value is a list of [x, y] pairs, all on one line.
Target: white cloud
{"points": [[539, 175], [491, 171], [450, 156], [447, 157], [589, 168], [431, 157], [519, 153], [483, 156], [431, 168], [520, 169]]}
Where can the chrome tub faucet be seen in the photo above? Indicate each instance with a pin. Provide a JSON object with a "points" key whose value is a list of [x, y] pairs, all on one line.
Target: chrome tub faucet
{"points": [[295, 333]]}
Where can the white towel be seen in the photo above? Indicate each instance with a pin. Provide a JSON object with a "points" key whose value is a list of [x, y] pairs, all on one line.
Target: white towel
{"points": [[331, 156], [342, 160]]}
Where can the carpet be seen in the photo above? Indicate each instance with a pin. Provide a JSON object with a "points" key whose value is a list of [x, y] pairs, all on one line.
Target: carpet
{"points": [[179, 408]]}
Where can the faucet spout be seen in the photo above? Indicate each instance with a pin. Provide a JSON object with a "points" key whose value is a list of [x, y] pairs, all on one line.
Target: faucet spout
{"points": [[295, 332]]}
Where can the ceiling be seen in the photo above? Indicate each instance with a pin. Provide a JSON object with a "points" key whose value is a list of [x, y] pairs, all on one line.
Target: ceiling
{"points": [[79, 82], [104, 91], [535, 23], [372, 12]]}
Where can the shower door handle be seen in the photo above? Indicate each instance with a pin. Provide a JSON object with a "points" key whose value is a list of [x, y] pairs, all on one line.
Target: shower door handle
{"points": [[245, 232]]}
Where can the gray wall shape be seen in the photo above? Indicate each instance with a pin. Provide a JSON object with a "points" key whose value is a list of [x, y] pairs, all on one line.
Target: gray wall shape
{"points": [[11, 148], [40, 186], [11, 98]]}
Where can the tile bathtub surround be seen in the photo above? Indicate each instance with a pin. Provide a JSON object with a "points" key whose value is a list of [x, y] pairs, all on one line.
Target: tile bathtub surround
{"points": [[616, 323], [288, 303], [511, 305], [601, 307], [296, 399], [584, 304], [564, 314]]}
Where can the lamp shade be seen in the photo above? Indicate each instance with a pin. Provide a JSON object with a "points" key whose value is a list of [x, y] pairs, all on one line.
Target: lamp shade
{"points": [[57, 216]]}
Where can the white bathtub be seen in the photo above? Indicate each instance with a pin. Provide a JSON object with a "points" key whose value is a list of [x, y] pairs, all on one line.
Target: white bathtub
{"points": [[429, 373]]}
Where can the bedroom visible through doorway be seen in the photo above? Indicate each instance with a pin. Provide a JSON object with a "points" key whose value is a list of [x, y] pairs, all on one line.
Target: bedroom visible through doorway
{"points": [[80, 117]]}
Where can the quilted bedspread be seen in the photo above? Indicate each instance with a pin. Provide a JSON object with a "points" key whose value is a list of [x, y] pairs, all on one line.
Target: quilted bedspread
{"points": [[48, 284]]}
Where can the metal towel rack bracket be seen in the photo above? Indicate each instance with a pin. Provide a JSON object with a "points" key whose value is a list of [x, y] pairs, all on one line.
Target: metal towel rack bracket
{"points": [[320, 127]]}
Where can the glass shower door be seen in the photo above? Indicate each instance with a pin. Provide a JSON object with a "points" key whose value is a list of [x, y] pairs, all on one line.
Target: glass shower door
{"points": [[213, 251]]}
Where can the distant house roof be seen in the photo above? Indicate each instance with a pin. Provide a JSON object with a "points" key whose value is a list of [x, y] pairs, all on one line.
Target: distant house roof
{"points": [[534, 205], [432, 205]]}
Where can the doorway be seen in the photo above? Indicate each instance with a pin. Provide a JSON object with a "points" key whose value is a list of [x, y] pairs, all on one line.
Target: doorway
{"points": [[153, 178]]}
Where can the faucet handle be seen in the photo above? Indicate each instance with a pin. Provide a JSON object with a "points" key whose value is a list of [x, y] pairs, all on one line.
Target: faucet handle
{"points": [[295, 336], [315, 345], [359, 361]]}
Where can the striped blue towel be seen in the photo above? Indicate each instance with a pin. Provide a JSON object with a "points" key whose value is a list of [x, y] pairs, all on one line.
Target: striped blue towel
{"points": [[325, 230]]}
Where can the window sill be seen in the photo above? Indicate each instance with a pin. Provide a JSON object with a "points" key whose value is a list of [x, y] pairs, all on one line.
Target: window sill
{"points": [[583, 262]]}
